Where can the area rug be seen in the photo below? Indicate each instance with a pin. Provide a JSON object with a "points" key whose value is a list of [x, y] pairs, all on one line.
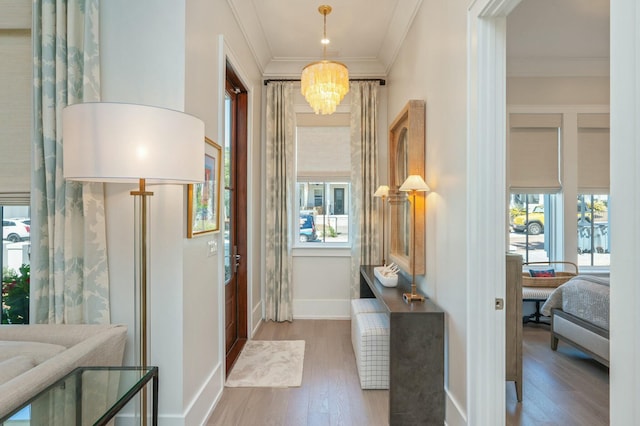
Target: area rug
{"points": [[268, 364]]}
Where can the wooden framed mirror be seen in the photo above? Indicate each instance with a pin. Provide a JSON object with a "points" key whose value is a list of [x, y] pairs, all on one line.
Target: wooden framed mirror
{"points": [[407, 157]]}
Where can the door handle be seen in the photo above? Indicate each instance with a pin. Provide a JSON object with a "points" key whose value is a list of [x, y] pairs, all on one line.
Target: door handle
{"points": [[237, 259]]}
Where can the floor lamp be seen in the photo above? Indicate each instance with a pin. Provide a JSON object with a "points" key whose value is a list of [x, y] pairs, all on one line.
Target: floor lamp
{"points": [[413, 184], [383, 192], [127, 143]]}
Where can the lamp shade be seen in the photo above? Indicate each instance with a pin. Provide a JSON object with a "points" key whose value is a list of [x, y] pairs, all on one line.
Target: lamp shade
{"points": [[117, 142], [414, 183], [382, 191]]}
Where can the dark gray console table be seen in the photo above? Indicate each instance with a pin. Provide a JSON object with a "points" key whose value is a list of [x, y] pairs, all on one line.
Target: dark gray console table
{"points": [[416, 359]]}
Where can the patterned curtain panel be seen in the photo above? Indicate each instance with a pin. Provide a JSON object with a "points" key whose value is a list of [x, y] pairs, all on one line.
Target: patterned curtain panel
{"points": [[69, 276], [364, 178], [279, 201]]}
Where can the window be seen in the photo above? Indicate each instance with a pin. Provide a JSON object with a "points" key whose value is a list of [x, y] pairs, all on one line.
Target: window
{"points": [[593, 230], [531, 226], [540, 153], [324, 222], [15, 152], [323, 168], [16, 247]]}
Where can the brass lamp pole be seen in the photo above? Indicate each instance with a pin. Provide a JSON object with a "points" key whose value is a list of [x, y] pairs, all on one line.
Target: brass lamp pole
{"points": [[413, 184], [128, 143]]}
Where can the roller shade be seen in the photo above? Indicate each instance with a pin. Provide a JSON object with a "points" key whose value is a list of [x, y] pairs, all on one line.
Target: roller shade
{"points": [[323, 152], [593, 153], [15, 103], [534, 142]]}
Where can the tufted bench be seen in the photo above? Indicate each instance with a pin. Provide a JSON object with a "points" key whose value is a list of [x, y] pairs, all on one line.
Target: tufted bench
{"points": [[370, 338]]}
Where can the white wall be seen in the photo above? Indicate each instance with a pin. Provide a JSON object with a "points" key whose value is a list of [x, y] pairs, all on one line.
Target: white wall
{"points": [[212, 38], [133, 71], [321, 277], [321, 287], [157, 59], [432, 66], [557, 91]]}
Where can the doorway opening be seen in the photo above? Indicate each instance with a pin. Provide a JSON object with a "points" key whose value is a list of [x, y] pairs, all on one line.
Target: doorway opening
{"points": [[235, 226]]}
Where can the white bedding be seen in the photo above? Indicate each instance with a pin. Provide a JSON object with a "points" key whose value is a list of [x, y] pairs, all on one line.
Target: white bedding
{"points": [[584, 296]]}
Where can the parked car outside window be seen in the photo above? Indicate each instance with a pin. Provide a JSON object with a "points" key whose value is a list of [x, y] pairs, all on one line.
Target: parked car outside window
{"points": [[535, 223], [15, 231], [307, 228]]}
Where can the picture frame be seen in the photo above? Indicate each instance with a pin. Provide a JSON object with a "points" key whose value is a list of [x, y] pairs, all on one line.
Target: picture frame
{"points": [[407, 147], [203, 204]]}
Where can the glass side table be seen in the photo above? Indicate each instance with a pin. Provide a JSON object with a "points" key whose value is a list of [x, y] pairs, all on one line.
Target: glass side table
{"points": [[87, 396]]}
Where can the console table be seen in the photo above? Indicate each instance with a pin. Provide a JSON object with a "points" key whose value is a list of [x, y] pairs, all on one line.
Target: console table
{"points": [[87, 396], [416, 358]]}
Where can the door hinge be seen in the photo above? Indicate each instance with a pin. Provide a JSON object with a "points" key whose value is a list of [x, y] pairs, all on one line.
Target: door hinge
{"points": [[499, 304]]}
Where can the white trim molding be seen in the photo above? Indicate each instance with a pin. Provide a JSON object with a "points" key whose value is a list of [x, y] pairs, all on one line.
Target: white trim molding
{"points": [[625, 199], [486, 195]]}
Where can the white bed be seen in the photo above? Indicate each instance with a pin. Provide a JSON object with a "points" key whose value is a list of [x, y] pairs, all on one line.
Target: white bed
{"points": [[579, 311]]}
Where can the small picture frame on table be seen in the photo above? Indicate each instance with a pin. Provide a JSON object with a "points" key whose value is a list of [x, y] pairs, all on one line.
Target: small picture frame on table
{"points": [[203, 205]]}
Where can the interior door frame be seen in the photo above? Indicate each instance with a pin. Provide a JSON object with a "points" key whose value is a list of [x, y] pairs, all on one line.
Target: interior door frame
{"points": [[225, 54], [486, 195], [239, 181]]}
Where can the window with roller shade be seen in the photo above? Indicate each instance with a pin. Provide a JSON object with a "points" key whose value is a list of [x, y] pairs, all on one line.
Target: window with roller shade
{"points": [[534, 182], [543, 174], [323, 168], [15, 146], [15, 103], [593, 189]]}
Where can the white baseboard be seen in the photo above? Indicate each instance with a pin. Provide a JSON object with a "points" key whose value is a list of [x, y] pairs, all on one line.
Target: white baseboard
{"points": [[455, 415], [206, 399], [198, 411], [321, 309]]}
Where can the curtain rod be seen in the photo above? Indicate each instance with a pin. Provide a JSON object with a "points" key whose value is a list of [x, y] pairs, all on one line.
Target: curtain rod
{"points": [[380, 80]]}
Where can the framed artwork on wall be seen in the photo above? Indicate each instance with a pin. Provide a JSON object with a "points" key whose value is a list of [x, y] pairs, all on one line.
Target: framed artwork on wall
{"points": [[203, 205]]}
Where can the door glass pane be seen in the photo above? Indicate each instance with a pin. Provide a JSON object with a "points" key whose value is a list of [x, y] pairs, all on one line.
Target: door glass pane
{"points": [[227, 188]]}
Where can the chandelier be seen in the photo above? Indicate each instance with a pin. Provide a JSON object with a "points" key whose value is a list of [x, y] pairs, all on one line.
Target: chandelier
{"points": [[324, 83]]}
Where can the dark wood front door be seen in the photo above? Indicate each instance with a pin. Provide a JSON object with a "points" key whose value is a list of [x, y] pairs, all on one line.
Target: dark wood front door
{"points": [[235, 229]]}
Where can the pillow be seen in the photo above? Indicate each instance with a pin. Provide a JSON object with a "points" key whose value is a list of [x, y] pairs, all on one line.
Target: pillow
{"points": [[37, 351], [13, 367], [539, 273]]}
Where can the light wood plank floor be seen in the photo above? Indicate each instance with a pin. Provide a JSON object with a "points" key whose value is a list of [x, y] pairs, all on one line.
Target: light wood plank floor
{"points": [[562, 388], [330, 393]]}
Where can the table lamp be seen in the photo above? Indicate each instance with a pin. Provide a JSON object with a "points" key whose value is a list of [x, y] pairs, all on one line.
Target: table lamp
{"points": [[413, 184]]}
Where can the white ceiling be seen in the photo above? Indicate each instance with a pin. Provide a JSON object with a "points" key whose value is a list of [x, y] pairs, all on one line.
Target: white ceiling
{"points": [[559, 37], [545, 37]]}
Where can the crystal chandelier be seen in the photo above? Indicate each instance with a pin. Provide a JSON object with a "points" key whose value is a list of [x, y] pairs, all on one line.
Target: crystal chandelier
{"points": [[324, 83]]}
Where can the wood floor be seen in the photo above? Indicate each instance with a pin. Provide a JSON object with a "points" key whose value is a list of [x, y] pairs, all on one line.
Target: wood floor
{"points": [[562, 388], [330, 393]]}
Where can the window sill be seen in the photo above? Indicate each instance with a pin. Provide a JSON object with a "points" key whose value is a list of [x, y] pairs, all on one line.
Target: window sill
{"points": [[321, 251]]}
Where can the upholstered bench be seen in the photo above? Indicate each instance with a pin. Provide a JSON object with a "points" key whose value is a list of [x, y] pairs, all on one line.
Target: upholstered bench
{"points": [[363, 306], [371, 347], [538, 295], [368, 305]]}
